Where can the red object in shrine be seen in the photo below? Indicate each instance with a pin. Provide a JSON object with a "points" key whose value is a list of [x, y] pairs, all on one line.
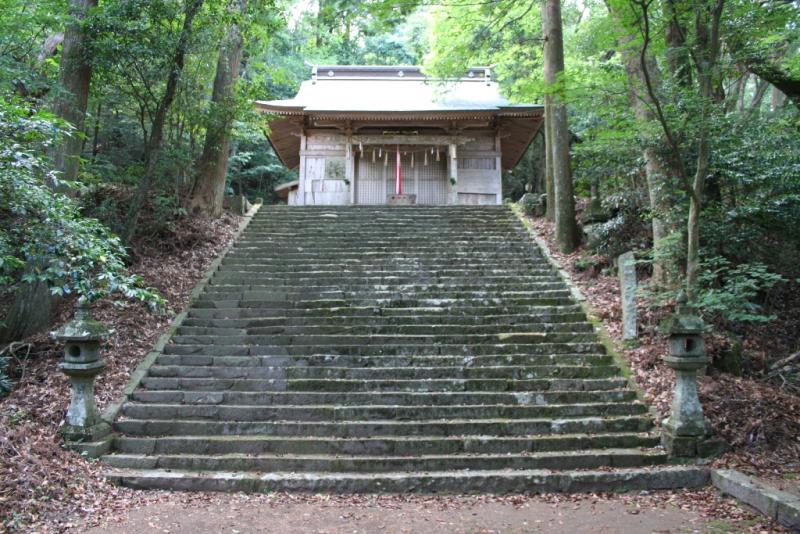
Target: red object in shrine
{"points": [[398, 185]]}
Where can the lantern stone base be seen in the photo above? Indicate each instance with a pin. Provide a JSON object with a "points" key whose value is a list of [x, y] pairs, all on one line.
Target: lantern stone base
{"points": [[93, 441], [691, 447], [401, 200]]}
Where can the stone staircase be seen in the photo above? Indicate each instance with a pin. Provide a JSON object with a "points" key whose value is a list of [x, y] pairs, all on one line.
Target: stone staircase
{"points": [[383, 349]]}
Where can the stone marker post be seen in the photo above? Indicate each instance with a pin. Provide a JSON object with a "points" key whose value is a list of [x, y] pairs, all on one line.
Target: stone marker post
{"points": [[626, 265], [686, 432], [82, 363]]}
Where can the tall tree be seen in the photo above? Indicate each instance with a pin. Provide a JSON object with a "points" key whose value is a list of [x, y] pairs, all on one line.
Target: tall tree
{"points": [[550, 211], [75, 75], [156, 136], [703, 46], [209, 184], [641, 68], [566, 231]]}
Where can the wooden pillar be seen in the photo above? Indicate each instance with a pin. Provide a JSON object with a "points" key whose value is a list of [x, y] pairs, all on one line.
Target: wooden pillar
{"points": [[349, 169], [453, 168], [498, 170], [301, 182]]}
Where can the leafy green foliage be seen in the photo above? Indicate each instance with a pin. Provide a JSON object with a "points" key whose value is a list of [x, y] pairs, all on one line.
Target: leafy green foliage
{"points": [[730, 292], [44, 230]]}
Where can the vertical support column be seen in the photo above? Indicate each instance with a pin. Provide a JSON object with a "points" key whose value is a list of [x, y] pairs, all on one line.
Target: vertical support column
{"points": [[385, 174], [398, 176], [498, 170], [349, 169], [415, 187], [301, 178], [453, 168]]}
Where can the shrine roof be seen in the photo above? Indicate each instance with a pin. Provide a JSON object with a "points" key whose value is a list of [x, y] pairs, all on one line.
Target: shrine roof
{"points": [[395, 89]]}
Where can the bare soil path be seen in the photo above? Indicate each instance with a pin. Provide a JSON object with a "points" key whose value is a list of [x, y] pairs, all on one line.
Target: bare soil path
{"points": [[287, 514]]}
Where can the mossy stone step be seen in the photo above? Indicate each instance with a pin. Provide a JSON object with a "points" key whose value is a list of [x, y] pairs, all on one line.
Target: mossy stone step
{"points": [[515, 372], [330, 413], [390, 350], [362, 429], [399, 445], [363, 385], [282, 398], [464, 481], [587, 459], [387, 329], [363, 320], [380, 361]]}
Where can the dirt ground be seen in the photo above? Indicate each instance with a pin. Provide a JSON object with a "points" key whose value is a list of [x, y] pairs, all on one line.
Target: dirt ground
{"points": [[241, 514]]}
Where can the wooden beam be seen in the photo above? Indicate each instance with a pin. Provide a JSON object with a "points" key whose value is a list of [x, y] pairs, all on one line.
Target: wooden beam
{"points": [[399, 139]]}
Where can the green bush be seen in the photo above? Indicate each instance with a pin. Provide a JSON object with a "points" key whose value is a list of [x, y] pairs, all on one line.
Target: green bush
{"points": [[43, 234], [730, 292]]}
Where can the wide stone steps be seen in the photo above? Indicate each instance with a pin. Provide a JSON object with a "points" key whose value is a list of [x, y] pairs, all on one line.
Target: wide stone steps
{"points": [[381, 361], [464, 481], [374, 349], [426, 315], [390, 329], [383, 282], [585, 459], [387, 385], [515, 372], [329, 413], [336, 298], [391, 398], [394, 349], [244, 274], [374, 428], [393, 445]]}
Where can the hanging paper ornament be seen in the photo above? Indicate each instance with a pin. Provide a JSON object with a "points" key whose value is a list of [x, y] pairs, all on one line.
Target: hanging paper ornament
{"points": [[412, 160], [380, 152], [360, 148], [373, 155], [385, 159], [437, 153], [426, 158]]}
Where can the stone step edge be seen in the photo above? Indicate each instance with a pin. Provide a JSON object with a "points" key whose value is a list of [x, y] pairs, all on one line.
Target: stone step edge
{"points": [[450, 482], [651, 453]]}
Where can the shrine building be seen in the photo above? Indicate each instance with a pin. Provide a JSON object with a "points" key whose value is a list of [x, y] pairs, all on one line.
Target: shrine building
{"points": [[392, 135]]}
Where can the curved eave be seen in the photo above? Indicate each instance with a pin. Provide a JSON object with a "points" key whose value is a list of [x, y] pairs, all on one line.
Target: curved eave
{"points": [[518, 125]]}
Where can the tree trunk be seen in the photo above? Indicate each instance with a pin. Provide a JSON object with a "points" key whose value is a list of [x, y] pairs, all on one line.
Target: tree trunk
{"points": [[550, 208], [566, 231], [75, 74], [678, 60], [666, 264], [777, 98], [209, 184], [29, 313], [153, 145], [707, 25]]}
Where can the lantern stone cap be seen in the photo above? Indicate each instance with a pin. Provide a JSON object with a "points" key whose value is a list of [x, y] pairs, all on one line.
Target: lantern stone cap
{"points": [[686, 320], [82, 327]]}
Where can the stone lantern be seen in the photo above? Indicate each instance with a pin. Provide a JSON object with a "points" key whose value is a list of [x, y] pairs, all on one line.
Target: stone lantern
{"points": [[82, 363], [686, 432]]}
